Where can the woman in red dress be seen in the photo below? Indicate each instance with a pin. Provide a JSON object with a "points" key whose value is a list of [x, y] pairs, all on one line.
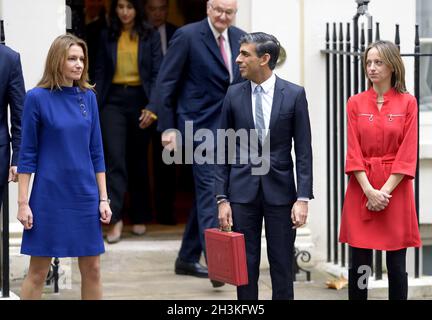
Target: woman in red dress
{"points": [[379, 210]]}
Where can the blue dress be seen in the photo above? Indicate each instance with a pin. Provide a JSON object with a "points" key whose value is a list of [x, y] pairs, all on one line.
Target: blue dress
{"points": [[62, 145]]}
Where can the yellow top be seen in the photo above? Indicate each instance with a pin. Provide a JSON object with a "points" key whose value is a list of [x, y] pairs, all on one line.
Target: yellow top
{"points": [[127, 61]]}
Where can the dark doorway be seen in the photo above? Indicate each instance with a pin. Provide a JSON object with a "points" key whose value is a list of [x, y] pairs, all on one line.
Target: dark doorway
{"points": [[88, 18], [181, 12]]}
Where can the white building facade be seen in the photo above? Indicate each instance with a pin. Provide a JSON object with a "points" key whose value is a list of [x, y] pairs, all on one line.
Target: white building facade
{"points": [[31, 26]]}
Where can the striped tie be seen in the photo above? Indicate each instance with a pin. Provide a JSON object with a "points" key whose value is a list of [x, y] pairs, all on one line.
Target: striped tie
{"points": [[259, 116]]}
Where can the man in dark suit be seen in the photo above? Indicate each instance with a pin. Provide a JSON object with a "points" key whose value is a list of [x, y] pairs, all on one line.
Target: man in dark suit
{"points": [[164, 174], [12, 94], [157, 15], [192, 82], [248, 191]]}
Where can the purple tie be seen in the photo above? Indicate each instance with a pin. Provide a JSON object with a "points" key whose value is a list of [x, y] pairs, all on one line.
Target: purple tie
{"points": [[222, 50]]}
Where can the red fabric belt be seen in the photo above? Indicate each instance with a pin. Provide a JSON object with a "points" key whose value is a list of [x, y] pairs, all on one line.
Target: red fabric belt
{"points": [[375, 169]]}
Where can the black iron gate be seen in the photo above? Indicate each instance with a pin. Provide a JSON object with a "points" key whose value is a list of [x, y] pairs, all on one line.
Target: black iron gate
{"points": [[345, 77]]}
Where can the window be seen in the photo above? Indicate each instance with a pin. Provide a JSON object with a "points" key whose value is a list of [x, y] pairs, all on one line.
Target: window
{"points": [[427, 260], [424, 20]]}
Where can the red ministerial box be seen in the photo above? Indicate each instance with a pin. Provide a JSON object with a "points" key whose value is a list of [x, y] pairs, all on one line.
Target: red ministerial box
{"points": [[226, 256]]}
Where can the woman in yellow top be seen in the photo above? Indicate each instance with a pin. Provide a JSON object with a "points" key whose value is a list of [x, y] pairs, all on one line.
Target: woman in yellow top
{"points": [[128, 62]]}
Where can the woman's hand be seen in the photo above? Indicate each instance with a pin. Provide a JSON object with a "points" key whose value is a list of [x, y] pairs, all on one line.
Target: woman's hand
{"points": [[377, 199], [105, 212], [25, 216]]}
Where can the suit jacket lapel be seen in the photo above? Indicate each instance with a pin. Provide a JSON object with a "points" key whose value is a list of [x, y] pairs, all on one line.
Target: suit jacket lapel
{"points": [[235, 48], [140, 52], [113, 51], [210, 41], [247, 102], [277, 102]]}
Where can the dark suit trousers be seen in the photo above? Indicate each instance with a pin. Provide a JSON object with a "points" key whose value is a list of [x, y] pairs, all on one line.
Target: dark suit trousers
{"points": [[4, 169], [164, 182], [2, 252], [126, 146], [280, 236], [4, 162], [203, 214]]}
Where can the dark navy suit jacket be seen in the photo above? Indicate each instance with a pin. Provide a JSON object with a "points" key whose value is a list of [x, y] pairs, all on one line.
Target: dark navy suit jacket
{"points": [[193, 79], [289, 122], [149, 60], [170, 30], [12, 92]]}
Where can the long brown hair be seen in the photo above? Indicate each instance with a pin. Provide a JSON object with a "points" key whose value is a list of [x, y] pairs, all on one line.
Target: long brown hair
{"points": [[53, 74], [390, 55]]}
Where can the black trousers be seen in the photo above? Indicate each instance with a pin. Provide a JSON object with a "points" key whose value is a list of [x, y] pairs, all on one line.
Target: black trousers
{"points": [[126, 152], [361, 265], [164, 182], [4, 168], [280, 236]]}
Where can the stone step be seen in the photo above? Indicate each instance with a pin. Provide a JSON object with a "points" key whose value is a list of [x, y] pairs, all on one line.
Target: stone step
{"points": [[378, 289]]}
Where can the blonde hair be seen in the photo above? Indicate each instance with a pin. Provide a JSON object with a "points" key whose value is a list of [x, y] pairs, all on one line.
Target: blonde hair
{"points": [[390, 55], [53, 74]]}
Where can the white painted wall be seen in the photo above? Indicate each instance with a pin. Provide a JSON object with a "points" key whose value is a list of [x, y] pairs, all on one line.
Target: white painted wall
{"points": [[243, 17], [300, 27], [282, 18], [30, 27]]}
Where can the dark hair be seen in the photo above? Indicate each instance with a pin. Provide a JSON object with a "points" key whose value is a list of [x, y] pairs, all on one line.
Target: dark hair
{"points": [[141, 27], [265, 43]]}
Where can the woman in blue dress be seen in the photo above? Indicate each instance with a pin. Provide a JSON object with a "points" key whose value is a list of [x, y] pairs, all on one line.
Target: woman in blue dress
{"points": [[62, 145]]}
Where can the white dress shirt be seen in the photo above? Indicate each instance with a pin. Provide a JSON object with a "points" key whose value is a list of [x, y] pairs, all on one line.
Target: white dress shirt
{"points": [[227, 46], [267, 94], [163, 37]]}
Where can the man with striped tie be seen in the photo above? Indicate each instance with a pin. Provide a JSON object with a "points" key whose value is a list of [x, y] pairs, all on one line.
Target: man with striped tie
{"points": [[277, 111], [195, 73]]}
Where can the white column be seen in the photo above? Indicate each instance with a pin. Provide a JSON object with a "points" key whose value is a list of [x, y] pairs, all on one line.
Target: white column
{"points": [[243, 17], [30, 27]]}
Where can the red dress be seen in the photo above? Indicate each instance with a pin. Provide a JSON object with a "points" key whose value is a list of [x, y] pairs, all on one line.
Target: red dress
{"points": [[381, 143]]}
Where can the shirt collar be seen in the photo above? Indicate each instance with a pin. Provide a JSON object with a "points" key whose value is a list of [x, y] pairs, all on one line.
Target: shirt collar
{"points": [[267, 85], [216, 33], [387, 95]]}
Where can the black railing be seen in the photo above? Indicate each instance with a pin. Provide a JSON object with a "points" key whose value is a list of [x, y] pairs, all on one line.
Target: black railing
{"points": [[345, 77]]}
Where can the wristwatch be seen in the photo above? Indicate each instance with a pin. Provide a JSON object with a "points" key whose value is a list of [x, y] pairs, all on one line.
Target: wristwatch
{"points": [[108, 200]]}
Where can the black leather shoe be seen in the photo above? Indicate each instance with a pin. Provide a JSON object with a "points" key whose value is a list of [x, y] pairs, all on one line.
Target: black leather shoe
{"points": [[190, 269], [217, 284]]}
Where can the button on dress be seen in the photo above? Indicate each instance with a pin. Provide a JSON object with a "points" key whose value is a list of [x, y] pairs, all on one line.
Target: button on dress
{"points": [[62, 146], [381, 143]]}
